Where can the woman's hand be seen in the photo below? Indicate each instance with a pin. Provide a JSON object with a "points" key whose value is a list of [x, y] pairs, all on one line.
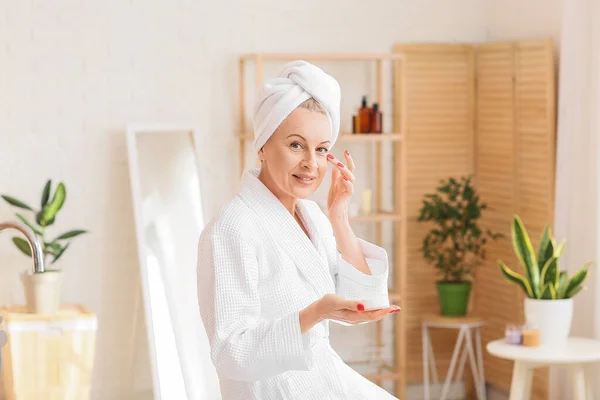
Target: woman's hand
{"points": [[337, 308], [342, 187]]}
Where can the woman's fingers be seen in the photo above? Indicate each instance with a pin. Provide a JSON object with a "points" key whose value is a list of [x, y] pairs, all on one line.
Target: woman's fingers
{"points": [[371, 316], [349, 187], [336, 307], [345, 171], [349, 161], [381, 313], [335, 176], [350, 305]]}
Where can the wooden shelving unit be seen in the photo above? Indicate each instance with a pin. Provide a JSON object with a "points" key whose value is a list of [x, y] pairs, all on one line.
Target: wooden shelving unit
{"points": [[385, 372]]}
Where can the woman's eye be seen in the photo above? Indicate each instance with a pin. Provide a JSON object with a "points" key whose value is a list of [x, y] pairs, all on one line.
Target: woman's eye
{"points": [[298, 146]]}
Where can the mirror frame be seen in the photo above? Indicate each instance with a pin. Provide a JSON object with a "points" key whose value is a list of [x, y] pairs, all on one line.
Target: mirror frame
{"points": [[132, 131]]}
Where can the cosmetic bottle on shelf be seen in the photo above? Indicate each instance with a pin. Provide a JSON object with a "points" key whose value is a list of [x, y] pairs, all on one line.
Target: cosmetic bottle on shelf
{"points": [[364, 117], [376, 119], [355, 124]]}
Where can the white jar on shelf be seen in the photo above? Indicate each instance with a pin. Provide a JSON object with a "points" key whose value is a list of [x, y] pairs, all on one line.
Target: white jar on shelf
{"points": [[365, 201]]}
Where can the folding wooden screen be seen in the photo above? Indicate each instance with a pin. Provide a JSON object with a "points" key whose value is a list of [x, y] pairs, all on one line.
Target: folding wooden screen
{"points": [[435, 102], [487, 110], [515, 161]]}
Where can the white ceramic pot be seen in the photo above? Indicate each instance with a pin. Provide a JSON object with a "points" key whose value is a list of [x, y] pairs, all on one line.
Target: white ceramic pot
{"points": [[551, 317], [42, 291]]}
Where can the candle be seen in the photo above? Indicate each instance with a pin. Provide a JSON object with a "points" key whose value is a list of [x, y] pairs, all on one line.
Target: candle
{"points": [[531, 338], [512, 334]]}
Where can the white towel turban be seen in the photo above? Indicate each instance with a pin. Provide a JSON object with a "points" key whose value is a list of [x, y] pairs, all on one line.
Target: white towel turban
{"points": [[279, 96]]}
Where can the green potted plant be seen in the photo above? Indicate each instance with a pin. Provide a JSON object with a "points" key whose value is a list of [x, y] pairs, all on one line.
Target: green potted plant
{"points": [[456, 244], [549, 291], [42, 290]]}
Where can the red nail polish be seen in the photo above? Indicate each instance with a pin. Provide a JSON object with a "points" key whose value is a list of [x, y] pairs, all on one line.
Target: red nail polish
{"points": [[345, 178], [330, 156], [346, 152], [360, 307], [340, 165]]}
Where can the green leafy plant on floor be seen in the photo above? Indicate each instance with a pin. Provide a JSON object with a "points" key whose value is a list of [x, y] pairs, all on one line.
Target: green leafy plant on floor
{"points": [[44, 217], [543, 278], [456, 244]]}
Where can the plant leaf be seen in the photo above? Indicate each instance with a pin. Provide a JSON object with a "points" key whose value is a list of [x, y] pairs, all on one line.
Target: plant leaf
{"points": [[46, 193], [524, 251], [60, 253], [563, 281], [22, 245], [545, 250], [549, 293], [573, 292], [517, 278], [560, 249], [553, 291], [546, 295], [17, 203], [550, 272], [71, 234], [29, 224], [50, 210], [468, 192], [55, 247], [38, 219], [576, 280]]}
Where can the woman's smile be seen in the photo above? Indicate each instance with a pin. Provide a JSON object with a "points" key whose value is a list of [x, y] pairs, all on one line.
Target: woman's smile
{"points": [[304, 179]]}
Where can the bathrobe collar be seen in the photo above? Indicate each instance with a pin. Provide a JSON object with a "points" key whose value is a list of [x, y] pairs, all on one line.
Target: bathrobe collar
{"points": [[285, 231]]}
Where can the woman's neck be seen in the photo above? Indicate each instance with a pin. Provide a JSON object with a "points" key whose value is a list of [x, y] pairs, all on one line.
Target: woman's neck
{"points": [[288, 201]]}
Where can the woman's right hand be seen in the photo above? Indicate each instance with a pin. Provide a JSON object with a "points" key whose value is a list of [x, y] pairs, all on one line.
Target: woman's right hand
{"points": [[337, 308]]}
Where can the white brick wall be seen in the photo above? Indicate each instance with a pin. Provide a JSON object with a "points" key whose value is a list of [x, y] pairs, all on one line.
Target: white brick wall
{"points": [[74, 73]]}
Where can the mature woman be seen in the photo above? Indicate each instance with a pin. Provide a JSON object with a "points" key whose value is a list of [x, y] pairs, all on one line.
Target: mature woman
{"points": [[273, 269]]}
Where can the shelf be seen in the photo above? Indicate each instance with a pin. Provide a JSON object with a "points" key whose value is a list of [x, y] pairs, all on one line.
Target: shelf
{"points": [[375, 366], [370, 137], [382, 364], [391, 376], [376, 217], [354, 137], [323, 56]]}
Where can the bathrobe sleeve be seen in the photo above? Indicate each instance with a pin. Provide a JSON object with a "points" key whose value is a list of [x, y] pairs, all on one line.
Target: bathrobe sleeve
{"points": [[243, 346], [352, 284]]}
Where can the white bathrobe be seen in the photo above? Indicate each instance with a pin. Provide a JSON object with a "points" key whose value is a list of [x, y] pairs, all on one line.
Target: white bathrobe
{"points": [[256, 270]]}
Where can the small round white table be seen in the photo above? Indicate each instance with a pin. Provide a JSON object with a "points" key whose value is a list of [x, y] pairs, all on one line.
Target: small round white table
{"points": [[578, 354]]}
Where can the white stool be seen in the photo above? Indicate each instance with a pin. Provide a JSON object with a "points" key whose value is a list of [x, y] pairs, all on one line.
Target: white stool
{"points": [[464, 326], [578, 354]]}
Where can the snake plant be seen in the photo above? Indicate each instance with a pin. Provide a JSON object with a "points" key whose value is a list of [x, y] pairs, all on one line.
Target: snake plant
{"points": [[45, 216], [543, 278]]}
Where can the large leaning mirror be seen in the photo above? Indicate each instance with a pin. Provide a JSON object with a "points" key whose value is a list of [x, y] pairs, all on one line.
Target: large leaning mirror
{"points": [[167, 202]]}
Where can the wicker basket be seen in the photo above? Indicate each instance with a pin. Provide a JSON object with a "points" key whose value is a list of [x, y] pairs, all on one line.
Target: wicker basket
{"points": [[48, 357]]}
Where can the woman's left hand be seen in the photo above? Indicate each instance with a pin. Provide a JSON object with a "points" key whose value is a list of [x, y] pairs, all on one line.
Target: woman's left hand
{"points": [[342, 187]]}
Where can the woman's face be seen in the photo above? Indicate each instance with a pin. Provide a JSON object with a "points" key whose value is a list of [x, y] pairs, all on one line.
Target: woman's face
{"points": [[295, 156]]}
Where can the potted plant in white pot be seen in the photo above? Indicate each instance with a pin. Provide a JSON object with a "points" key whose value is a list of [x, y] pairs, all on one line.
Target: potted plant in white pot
{"points": [[42, 290], [549, 291], [456, 243]]}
